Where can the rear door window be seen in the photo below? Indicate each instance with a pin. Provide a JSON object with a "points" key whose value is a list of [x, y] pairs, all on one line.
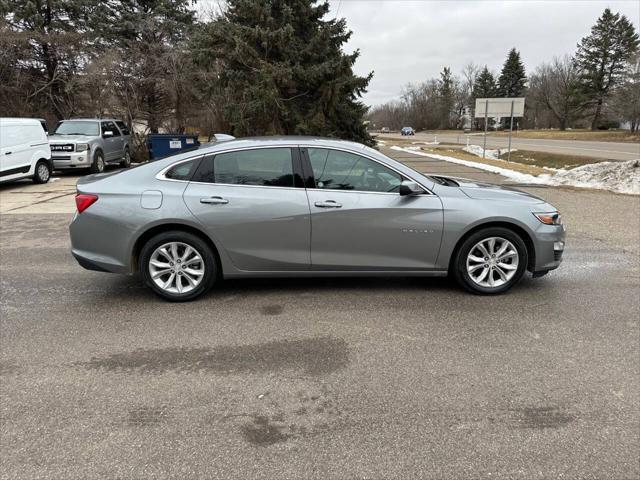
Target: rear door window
{"points": [[266, 167], [123, 128]]}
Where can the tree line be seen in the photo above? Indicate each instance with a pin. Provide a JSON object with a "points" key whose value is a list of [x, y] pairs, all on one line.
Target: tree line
{"points": [[253, 67], [596, 87]]}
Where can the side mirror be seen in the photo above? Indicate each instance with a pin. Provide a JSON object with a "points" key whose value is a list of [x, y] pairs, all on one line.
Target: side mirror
{"points": [[107, 133], [407, 187]]}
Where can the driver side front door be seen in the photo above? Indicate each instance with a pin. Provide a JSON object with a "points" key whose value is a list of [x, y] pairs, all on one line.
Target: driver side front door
{"points": [[359, 221]]}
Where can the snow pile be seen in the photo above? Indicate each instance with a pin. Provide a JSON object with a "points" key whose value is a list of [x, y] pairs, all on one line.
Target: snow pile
{"points": [[621, 177], [492, 154]]}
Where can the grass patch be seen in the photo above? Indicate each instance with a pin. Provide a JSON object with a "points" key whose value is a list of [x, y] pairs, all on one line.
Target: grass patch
{"points": [[586, 135], [551, 160]]}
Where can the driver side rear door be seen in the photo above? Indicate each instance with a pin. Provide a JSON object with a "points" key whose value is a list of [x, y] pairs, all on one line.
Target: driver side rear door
{"points": [[359, 221]]}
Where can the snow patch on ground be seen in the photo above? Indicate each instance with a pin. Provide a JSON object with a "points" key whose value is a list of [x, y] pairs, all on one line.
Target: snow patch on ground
{"points": [[492, 154], [619, 177]]}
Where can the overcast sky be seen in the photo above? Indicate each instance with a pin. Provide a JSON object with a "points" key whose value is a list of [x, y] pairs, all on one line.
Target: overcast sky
{"points": [[410, 41]]}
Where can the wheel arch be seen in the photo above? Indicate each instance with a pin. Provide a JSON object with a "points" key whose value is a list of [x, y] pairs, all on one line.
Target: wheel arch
{"points": [[166, 227], [520, 231]]}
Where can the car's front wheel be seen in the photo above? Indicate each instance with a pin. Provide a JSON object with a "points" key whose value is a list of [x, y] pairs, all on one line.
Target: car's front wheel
{"points": [[178, 266], [42, 173], [490, 261], [97, 166]]}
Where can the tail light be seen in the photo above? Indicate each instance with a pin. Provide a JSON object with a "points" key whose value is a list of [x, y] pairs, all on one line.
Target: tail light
{"points": [[85, 200]]}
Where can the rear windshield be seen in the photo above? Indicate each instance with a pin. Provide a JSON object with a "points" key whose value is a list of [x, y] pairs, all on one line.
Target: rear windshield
{"points": [[78, 128]]}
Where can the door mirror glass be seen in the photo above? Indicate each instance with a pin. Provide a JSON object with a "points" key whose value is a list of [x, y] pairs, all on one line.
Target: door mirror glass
{"points": [[107, 133], [407, 187]]}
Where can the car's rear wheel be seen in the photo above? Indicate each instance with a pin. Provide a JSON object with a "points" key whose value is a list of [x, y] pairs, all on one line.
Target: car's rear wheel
{"points": [[42, 173], [126, 159], [178, 266], [490, 261], [97, 166]]}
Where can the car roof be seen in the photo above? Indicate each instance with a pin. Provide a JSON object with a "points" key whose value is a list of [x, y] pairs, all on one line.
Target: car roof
{"points": [[19, 121], [284, 140], [91, 120]]}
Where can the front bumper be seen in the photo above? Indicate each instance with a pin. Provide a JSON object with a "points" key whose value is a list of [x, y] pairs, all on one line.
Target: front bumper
{"points": [[549, 246], [71, 160]]}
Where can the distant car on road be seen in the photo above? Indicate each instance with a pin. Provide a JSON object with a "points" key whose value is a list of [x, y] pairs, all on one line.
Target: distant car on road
{"points": [[90, 143], [407, 131], [301, 207], [384, 130], [24, 150]]}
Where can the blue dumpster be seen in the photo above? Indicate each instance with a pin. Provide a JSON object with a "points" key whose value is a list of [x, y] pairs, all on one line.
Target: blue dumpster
{"points": [[166, 144]]}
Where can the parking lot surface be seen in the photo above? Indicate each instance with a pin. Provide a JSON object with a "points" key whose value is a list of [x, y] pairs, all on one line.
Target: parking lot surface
{"points": [[321, 378]]}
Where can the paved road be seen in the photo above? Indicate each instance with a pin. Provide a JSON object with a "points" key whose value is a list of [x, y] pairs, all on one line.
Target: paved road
{"points": [[606, 150], [346, 378]]}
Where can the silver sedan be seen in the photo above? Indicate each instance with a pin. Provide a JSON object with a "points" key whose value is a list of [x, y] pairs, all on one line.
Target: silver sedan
{"points": [[301, 207]]}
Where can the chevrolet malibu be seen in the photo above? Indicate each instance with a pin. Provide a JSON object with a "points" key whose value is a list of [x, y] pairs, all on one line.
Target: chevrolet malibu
{"points": [[302, 207]]}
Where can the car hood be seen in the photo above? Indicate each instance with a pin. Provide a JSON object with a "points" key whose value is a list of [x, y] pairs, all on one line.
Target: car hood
{"points": [[68, 138], [488, 191]]}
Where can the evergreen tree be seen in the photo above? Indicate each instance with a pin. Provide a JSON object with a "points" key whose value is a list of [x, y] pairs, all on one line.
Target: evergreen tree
{"points": [[49, 37], [283, 71], [602, 58], [446, 91], [485, 86], [512, 80], [148, 37]]}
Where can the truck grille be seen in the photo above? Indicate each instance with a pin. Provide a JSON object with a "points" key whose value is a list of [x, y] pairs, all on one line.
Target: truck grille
{"points": [[58, 147], [61, 157]]}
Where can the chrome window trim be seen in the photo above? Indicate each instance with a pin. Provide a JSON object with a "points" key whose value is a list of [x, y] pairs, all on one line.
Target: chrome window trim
{"points": [[161, 174]]}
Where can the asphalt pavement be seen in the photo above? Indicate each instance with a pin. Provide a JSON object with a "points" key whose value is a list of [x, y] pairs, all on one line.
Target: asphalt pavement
{"points": [[322, 378], [599, 150]]}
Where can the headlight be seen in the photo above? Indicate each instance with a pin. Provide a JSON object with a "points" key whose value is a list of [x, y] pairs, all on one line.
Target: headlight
{"points": [[81, 147], [549, 218]]}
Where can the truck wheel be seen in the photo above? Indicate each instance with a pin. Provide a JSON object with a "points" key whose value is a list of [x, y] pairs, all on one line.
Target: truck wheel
{"points": [[126, 160], [42, 173], [98, 163]]}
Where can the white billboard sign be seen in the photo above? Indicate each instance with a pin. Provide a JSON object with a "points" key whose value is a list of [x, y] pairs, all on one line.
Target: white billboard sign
{"points": [[499, 107]]}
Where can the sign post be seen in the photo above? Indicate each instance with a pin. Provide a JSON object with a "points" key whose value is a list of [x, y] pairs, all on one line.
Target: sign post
{"points": [[498, 107], [486, 123], [510, 132]]}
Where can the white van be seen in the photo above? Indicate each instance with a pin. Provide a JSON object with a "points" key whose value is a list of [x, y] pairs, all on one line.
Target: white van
{"points": [[24, 150]]}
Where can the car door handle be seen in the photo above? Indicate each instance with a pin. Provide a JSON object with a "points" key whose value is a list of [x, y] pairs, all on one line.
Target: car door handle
{"points": [[7, 153], [214, 200], [328, 204]]}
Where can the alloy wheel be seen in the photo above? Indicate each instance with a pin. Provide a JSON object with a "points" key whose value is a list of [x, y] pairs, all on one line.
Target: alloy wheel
{"points": [[176, 267], [492, 262], [43, 173]]}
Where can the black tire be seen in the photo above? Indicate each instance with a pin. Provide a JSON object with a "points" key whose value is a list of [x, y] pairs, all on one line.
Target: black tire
{"points": [[459, 264], [42, 173], [208, 257], [126, 160], [98, 165]]}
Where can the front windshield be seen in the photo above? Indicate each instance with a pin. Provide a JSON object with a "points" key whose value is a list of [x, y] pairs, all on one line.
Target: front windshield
{"points": [[78, 128]]}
